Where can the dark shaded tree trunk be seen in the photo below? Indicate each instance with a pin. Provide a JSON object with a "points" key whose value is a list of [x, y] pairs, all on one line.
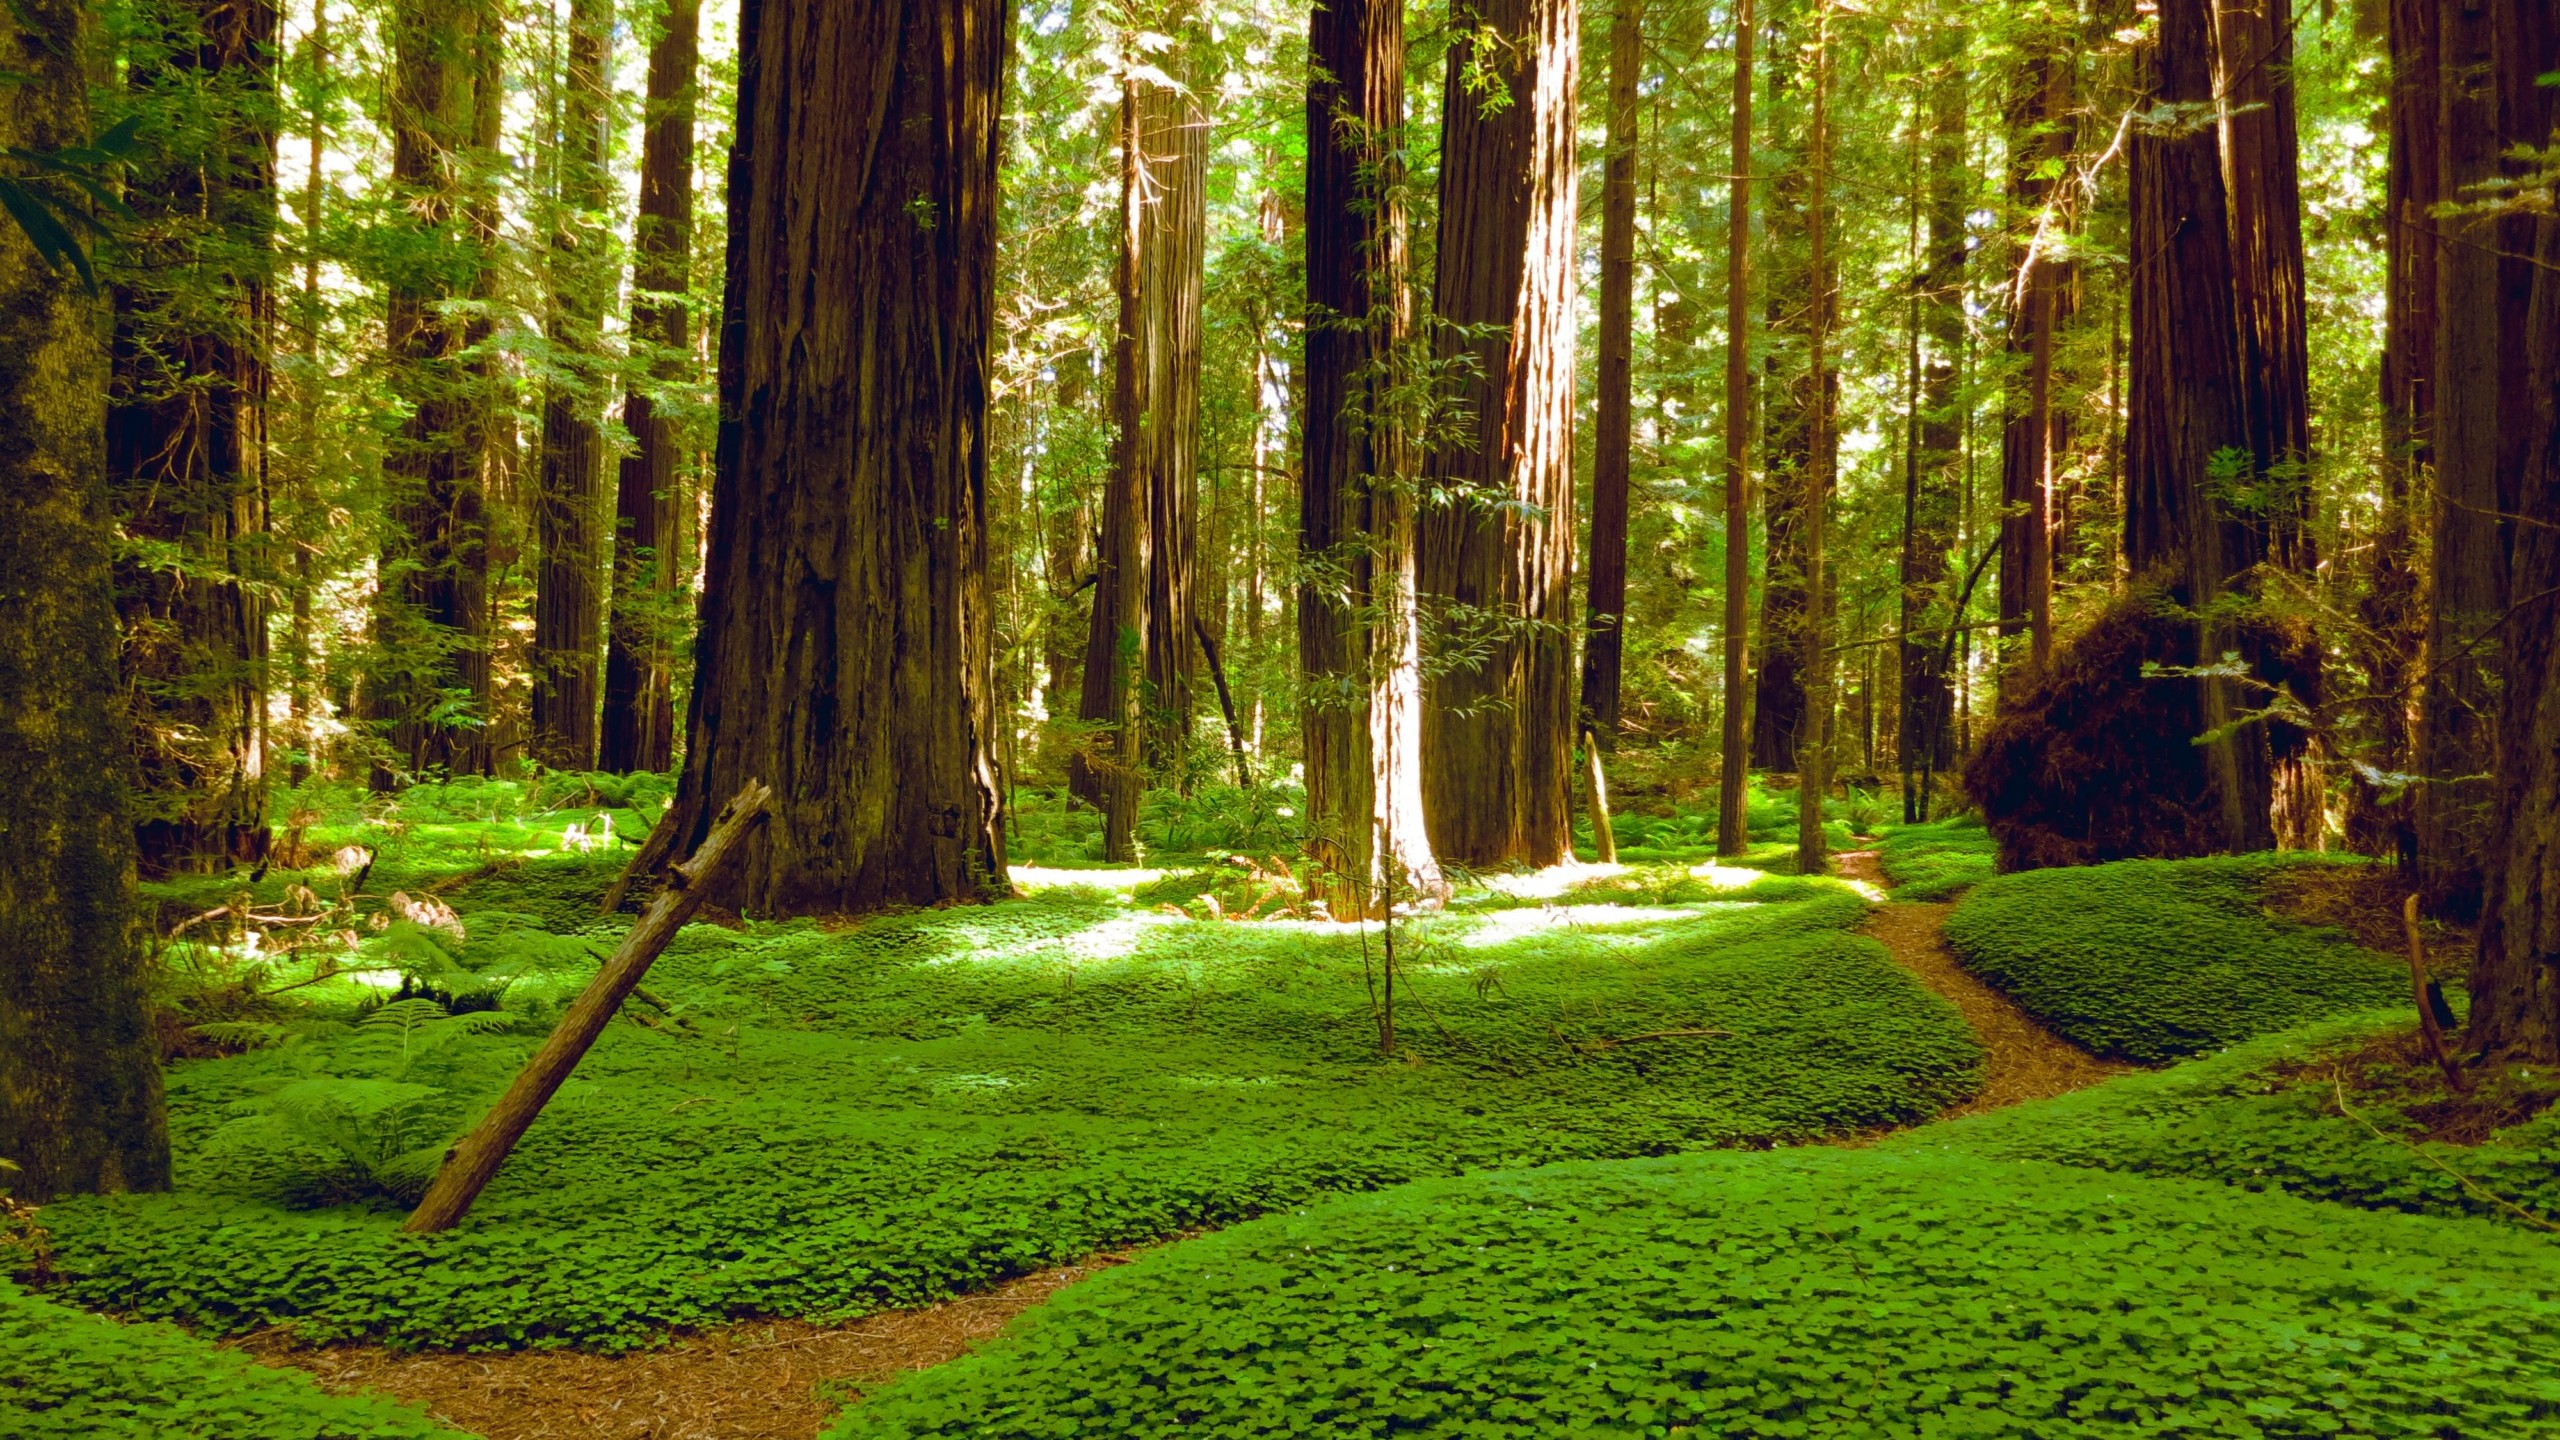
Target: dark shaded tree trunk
{"points": [[186, 442], [1359, 639], [1733, 834], [80, 1097], [431, 622], [2040, 136], [2392, 613], [1813, 742], [2515, 971], [844, 655], [2468, 583], [1497, 543], [1613, 424], [568, 607], [2188, 410], [639, 710], [1927, 733], [1780, 710]]}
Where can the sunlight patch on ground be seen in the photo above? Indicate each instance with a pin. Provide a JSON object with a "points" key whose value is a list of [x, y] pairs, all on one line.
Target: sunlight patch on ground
{"points": [[1504, 926], [1550, 883], [1041, 877]]}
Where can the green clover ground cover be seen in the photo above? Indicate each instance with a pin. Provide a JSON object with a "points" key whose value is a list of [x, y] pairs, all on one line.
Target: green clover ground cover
{"points": [[1939, 860], [1813, 1292], [71, 1376], [2150, 960], [835, 1121]]}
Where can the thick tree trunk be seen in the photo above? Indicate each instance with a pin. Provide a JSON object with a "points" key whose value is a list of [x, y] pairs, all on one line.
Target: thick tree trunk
{"points": [[1780, 711], [186, 446], [1733, 834], [2040, 137], [568, 607], [1497, 549], [2456, 723], [1926, 735], [1173, 131], [844, 651], [431, 617], [2391, 611], [80, 1099], [2187, 401], [1613, 426], [2515, 974], [639, 709], [1358, 635]]}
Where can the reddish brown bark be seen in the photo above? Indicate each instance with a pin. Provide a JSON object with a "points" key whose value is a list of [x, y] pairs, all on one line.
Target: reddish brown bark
{"points": [[1732, 827], [844, 652], [1613, 428], [2041, 136]]}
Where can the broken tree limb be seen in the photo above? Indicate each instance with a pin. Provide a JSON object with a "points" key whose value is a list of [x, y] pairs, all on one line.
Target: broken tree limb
{"points": [[1226, 702], [2428, 1029], [475, 1158]]}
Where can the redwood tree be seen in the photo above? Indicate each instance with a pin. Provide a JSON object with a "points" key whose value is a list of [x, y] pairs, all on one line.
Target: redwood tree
{"points": [[1612, 438], [1358, 636], [80, 1098], [2039, 140], [638, 729], [186, 435], [843, 654], [1733, 833], [1497, 541]]}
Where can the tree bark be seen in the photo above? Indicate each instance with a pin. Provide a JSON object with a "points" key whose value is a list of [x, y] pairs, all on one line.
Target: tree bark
{"points": [[1359, 648], [1778, 702], [1925, 738], [1174, 131], [2040, 131], [431, 617], [80, 1097], [2189, 420], [1613, 428], [639, 708], [568, 607], [186, 440], [1813, 739], [843, 654], [1497, 544], [1733, 834]]}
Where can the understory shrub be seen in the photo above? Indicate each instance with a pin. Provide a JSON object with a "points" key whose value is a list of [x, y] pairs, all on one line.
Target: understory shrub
{"points": [[1938, 860], [825, 1121], [65, 1375], [1805, 1293], [2149, 960]]}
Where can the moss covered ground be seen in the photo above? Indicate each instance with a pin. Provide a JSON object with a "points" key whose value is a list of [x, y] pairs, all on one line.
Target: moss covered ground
{"points": [[819, 1120], [2151, 960], [65, 1375]]}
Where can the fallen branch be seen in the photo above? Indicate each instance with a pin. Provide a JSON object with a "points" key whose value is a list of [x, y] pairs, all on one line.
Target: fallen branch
{"points": [[2428, 1030], [2338, 1091], [474, 1160]]}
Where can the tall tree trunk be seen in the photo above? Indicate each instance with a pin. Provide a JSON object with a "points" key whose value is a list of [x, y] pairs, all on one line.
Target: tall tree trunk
{"points": [[1613, 426], [1813, 740], [1927, 734], [2392, 611], [568, 608], [1781, 712], [2188, 412], [1497, 551], [2468, 589], [1733, 834], [1067, 552], [431, 619], [80, 1098], [2515, 972], [303, 517], [844, 653], [1359, 640], [1173, 133], [186, 442], [639, 708], [2040, 138]]}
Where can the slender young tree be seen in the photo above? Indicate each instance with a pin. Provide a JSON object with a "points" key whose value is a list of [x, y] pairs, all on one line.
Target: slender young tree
{"points": [[568, 608], [80, 1097], [843, 656], [1733, 833], [639, 711], [1813, 740], [1359, 639], [1613, 424], [1498, 540], [186, 435], [1935, 477], [430, 690]]}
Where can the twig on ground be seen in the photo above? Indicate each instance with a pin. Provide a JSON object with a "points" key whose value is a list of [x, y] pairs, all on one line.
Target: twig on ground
{"points": [[2338, 1092]]}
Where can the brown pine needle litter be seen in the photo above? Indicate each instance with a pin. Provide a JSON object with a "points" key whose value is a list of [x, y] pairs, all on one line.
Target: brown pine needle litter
{"points": [[2025, 1060], [767, 1380]]}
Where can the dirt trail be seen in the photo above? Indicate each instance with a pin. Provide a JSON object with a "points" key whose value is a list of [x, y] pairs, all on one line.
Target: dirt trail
{"points": [[769, 1380], [2027, 1061], [781, 1380]]}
